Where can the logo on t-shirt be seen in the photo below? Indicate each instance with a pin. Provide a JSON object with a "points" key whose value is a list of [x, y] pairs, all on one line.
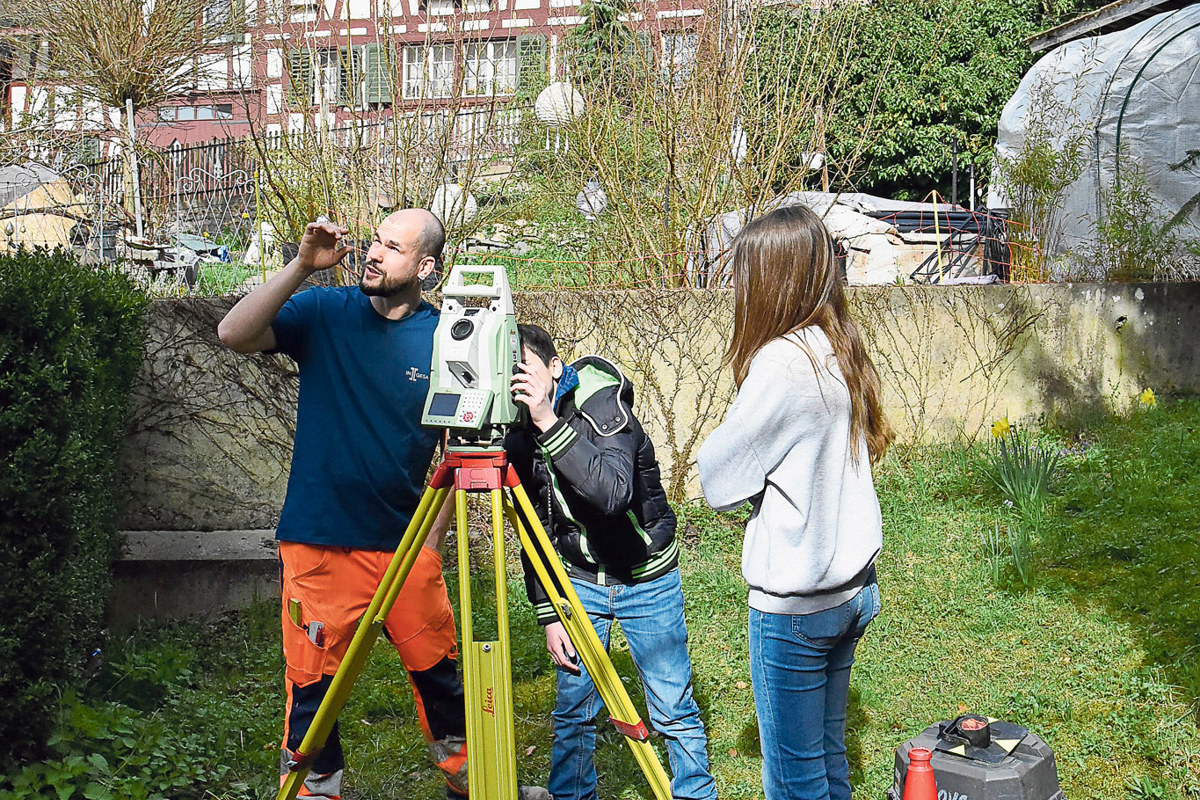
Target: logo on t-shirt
{"points": [[415, 374]]}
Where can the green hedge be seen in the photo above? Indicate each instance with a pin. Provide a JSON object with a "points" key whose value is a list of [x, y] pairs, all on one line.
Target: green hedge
{"points": [[71, 341]]}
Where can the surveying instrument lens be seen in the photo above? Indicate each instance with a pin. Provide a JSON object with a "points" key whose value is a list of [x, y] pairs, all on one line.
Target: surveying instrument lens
{"points": [[476, 351]]}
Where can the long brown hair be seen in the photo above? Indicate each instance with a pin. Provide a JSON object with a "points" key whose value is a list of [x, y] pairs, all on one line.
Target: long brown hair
{"points": [[786, 277]]}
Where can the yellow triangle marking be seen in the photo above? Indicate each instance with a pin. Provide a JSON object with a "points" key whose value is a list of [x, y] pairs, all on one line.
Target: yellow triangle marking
{"points": [[961, 750], [1007, 744]]}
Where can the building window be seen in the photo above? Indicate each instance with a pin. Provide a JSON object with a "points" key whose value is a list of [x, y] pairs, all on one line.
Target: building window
{"points": [[490, 68], [428, 71], [220, 111], [219, 18], [439, 8], [218, 13], [89, 150], [296, 10], [42, 55], [678, 55], [331, 78]]}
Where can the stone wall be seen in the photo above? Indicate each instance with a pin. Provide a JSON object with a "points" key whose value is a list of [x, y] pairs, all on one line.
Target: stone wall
{"points": [[207, 455], [211, 430]]}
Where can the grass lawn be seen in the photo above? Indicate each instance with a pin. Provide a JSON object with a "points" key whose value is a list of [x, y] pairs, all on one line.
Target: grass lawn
{"points": [[1099, 654]]}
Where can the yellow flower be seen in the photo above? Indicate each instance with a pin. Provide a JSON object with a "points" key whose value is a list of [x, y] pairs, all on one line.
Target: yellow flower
{"points": [[1001, 428], [1147, 398]]}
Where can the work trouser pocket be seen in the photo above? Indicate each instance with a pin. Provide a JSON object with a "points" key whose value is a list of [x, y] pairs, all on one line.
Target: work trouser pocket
{"points": [[309, 635]]}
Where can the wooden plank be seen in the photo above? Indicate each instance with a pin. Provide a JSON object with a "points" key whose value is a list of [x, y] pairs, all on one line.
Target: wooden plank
{"points": [[1092, 21]]}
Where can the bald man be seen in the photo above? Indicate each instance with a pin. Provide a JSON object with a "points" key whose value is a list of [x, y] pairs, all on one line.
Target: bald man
{"points": [[358, 470]]}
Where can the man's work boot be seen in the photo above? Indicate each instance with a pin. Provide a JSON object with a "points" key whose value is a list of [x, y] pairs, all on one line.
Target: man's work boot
{"points": [[450, 754]]}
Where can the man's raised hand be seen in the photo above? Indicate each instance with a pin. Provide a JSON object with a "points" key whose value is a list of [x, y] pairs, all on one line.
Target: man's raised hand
{"points": [[323, 245]]}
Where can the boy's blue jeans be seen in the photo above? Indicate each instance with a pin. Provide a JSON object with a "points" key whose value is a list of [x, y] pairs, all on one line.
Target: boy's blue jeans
{"points": [[800, 667], [651, 616]]}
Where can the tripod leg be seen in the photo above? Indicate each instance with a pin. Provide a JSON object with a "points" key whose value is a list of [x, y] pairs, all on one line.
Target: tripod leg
{"points": [[369, 627], [551, 574], [487, 671]]}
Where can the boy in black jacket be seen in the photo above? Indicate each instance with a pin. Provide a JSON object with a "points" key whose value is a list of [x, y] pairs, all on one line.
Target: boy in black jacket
{"points": [[590, 471]]}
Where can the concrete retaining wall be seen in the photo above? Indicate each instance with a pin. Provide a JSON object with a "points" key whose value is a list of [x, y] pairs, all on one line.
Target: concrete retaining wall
{"points": [[210, 442]]}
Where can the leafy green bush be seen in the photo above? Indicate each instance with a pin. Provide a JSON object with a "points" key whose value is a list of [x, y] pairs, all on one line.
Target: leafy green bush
{"points": [[950, 66], [70, 343], [108, 751], [159, 719]]}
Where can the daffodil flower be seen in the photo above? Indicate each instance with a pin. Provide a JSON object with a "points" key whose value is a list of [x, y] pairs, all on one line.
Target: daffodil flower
{"points": [[1147, 398], [1001, 428]]}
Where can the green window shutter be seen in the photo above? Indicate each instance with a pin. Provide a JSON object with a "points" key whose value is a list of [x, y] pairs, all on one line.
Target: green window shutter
{"points": [[371, 76], [349, 76], [379, 71], [301, 76], [532, 64], [345, 90]]}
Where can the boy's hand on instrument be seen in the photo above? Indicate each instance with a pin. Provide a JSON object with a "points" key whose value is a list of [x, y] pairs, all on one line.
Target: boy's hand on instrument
{"points": [[530, 390], [560, 647]]}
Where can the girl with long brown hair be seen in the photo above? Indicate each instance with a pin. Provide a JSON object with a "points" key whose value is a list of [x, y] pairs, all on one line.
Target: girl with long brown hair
{"points": [[798, 444]]}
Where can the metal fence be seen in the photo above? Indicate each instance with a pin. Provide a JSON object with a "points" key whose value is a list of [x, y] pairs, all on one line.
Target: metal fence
{"points": [[210, 188]]}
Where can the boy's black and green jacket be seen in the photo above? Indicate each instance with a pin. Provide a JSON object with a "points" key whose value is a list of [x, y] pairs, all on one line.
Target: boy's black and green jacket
{"points": [[596, 486]]}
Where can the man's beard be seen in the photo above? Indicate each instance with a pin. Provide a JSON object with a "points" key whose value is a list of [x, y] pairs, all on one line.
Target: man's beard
{"points": [[387, 287]]}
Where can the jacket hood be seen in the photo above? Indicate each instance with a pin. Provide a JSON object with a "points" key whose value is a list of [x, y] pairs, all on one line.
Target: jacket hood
{"points": [[604, 395]]}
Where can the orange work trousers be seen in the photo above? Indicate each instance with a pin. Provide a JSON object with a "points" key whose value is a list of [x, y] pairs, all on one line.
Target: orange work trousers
{"points": [[326, 590]]}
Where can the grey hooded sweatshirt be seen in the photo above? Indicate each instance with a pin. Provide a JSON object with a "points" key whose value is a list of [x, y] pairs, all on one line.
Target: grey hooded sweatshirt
{"points": [[815, 527]]}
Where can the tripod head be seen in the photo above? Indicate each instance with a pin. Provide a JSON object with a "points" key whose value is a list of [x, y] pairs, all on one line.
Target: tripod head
{"points": [[475, 354]]}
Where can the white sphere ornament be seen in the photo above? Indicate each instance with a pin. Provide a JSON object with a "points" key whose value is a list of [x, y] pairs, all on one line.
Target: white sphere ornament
{"points": [[558, 104], [591, 200], [454, 205]]}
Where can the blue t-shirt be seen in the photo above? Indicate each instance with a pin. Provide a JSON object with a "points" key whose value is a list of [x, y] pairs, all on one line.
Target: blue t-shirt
{"points": [[361, 453]]}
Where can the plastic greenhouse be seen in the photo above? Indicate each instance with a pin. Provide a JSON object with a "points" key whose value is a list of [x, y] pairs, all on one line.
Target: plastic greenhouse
{"points": [[1127, 105]]}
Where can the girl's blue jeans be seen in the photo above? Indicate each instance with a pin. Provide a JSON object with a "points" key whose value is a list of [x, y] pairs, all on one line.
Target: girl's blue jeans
{"points": [[651, 616], [800, 667]]}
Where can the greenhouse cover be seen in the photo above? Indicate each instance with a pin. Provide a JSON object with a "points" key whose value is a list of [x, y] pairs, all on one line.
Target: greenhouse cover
{"points": [[1123, 112]]}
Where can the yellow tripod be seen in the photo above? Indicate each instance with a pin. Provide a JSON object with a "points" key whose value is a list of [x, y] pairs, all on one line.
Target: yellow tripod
{"points": [[487, 666]]}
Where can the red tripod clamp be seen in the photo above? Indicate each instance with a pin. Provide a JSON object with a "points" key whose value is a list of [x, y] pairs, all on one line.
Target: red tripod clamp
{"points": [[474, 471]]}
